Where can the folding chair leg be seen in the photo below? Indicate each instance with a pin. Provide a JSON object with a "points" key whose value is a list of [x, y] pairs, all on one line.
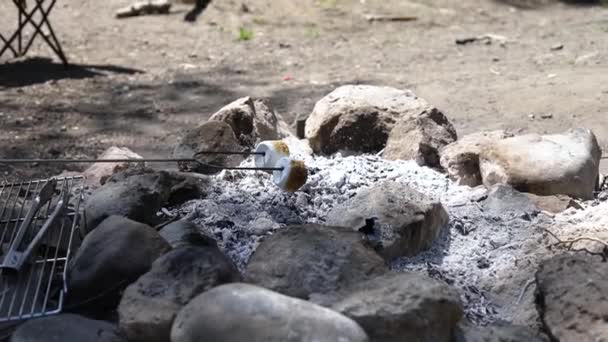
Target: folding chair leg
{"points": [[53, 43], [8, 46], [27, 17], [20, 23]]}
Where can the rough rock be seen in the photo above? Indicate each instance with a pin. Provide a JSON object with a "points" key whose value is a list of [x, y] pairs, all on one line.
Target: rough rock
{"points": [[185, 187], [97, 173], [139, 193], [400, 306], [553, 204], [301, 260], [149, 305], [359, 118], [420, 138], [545, 165], [396, 219], [67, 327], [506, 202], [590, 222], [240, 115], [210, 136], [460, 159], [252, 120], [573, 298], [10, 211], [111, 257], [498, 332], [261, 315], [269, 124], [185, 233]]}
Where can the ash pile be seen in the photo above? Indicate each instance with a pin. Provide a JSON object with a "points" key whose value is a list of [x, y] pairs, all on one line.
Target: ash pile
{"points": [[402, 231]]}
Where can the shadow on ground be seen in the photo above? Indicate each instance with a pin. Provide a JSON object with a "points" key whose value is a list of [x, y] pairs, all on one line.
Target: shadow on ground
{"points": [[147, 115], [40, 70]]}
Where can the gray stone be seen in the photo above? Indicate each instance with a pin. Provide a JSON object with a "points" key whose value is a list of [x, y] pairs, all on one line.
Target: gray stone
{"points": [[261, 315], [185, 233], [11, 211], [149, 306], [497, 332], [359, 118], [66, 327], [555, 164], [400, 307], [460, 159], [97, 173], [186, 186], [506, 202], [553, 204], [302, 260], [111, 257], [253, 120], [210, 136], [573, 298], [139, 193], [240, 115], [269, 124], [396, 219], [420, 138]]}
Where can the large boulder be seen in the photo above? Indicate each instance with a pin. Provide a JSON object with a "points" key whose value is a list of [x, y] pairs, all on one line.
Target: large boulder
{"points": [[185, 233], [590, 223], [240, 115], [110, 258], [149, 305], [544, 165], [252, 120], [553, 204], [359, 118], [573, 298], [139, 193], [400, 307], [497, 332], [303, 260], [67, 327], [460, 159], [506, 202], [396, 219], [269, 124], [420, 138], [211, 136], [97, 173], [241, 312]]}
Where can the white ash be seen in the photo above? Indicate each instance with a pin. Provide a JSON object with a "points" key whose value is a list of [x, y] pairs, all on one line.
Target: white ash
{"points": [[476, 254]]}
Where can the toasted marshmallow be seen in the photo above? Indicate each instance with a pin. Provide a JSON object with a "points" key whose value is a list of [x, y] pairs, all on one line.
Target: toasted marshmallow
{"points": [[292, 176], [273, 151]]}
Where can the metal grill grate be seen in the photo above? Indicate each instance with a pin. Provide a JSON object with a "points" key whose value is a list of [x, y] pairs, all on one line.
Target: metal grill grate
{"points": [[39, 288]]}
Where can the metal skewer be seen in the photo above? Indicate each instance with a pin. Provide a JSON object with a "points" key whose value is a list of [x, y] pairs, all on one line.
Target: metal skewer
{"points": [[149, 160]]}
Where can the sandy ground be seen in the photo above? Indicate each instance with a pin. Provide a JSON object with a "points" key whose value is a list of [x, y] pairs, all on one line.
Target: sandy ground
{"points": [[140, 82]]}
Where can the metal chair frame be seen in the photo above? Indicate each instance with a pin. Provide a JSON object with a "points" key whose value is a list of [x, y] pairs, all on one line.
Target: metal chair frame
{"points": [[25, 18]]}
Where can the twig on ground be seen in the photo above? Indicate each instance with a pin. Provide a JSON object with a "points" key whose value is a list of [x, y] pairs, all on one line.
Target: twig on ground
{"points": [[569, 244], [372, 18], [524, 290]]}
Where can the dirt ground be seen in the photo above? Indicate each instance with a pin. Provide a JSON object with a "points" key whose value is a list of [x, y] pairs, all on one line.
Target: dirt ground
{"points": [[139, 82]]}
